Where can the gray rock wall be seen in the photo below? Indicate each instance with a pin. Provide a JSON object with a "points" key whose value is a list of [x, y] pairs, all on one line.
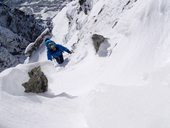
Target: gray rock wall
{"points": [[17, 30], [20, 23]]}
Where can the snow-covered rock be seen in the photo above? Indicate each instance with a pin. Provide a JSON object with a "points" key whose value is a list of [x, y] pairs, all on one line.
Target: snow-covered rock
{"points": [[36, 44]]}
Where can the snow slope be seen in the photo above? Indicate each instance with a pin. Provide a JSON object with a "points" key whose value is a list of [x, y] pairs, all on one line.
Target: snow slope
{"points": [[128, 87]]}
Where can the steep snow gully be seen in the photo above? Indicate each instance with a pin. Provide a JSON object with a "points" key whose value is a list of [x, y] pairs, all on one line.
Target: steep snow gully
{"points": [[126, 88]]}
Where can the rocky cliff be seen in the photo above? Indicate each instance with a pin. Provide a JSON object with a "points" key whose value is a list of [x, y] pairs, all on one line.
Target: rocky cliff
{"points": [[42, 9], [17, 30]]}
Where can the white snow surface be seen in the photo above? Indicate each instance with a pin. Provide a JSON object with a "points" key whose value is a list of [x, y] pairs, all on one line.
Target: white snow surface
{"points": [[127, 88]]}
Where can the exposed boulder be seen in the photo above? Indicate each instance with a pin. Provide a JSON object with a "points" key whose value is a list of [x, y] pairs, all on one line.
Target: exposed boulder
{"points": [[97, 41], [101, 45], [38, 82]]}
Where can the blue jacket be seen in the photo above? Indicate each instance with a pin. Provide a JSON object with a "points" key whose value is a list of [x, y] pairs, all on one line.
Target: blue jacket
{"points": [[59, 50]]}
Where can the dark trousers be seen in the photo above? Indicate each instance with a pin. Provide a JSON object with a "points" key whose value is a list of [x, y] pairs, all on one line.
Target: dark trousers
{"points": [[60, 59]]}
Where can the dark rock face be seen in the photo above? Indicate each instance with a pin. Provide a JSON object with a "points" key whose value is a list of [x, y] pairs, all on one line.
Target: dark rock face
{"points": [[18, 22], [37, 83], [6, 59], [17, 30], [11, 48]]}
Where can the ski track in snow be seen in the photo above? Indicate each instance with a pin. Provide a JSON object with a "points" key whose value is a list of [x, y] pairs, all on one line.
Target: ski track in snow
{"points": [[129, 88]]}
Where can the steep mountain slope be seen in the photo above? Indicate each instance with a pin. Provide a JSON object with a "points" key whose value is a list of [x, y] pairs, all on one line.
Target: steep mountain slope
{"points": [[124, 84], [42, 9]]}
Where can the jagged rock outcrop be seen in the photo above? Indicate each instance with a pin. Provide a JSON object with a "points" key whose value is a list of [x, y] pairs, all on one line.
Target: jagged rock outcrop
{"points": [[20, 23], [43, 9], [37, 83], [11, 48], [17, 30]]}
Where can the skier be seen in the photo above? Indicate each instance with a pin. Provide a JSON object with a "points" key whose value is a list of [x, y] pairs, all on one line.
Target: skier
{"points": [[55, 51]]}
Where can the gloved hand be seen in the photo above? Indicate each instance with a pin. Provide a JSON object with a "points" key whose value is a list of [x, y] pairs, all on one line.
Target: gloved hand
{"points": [[71, 51]]}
